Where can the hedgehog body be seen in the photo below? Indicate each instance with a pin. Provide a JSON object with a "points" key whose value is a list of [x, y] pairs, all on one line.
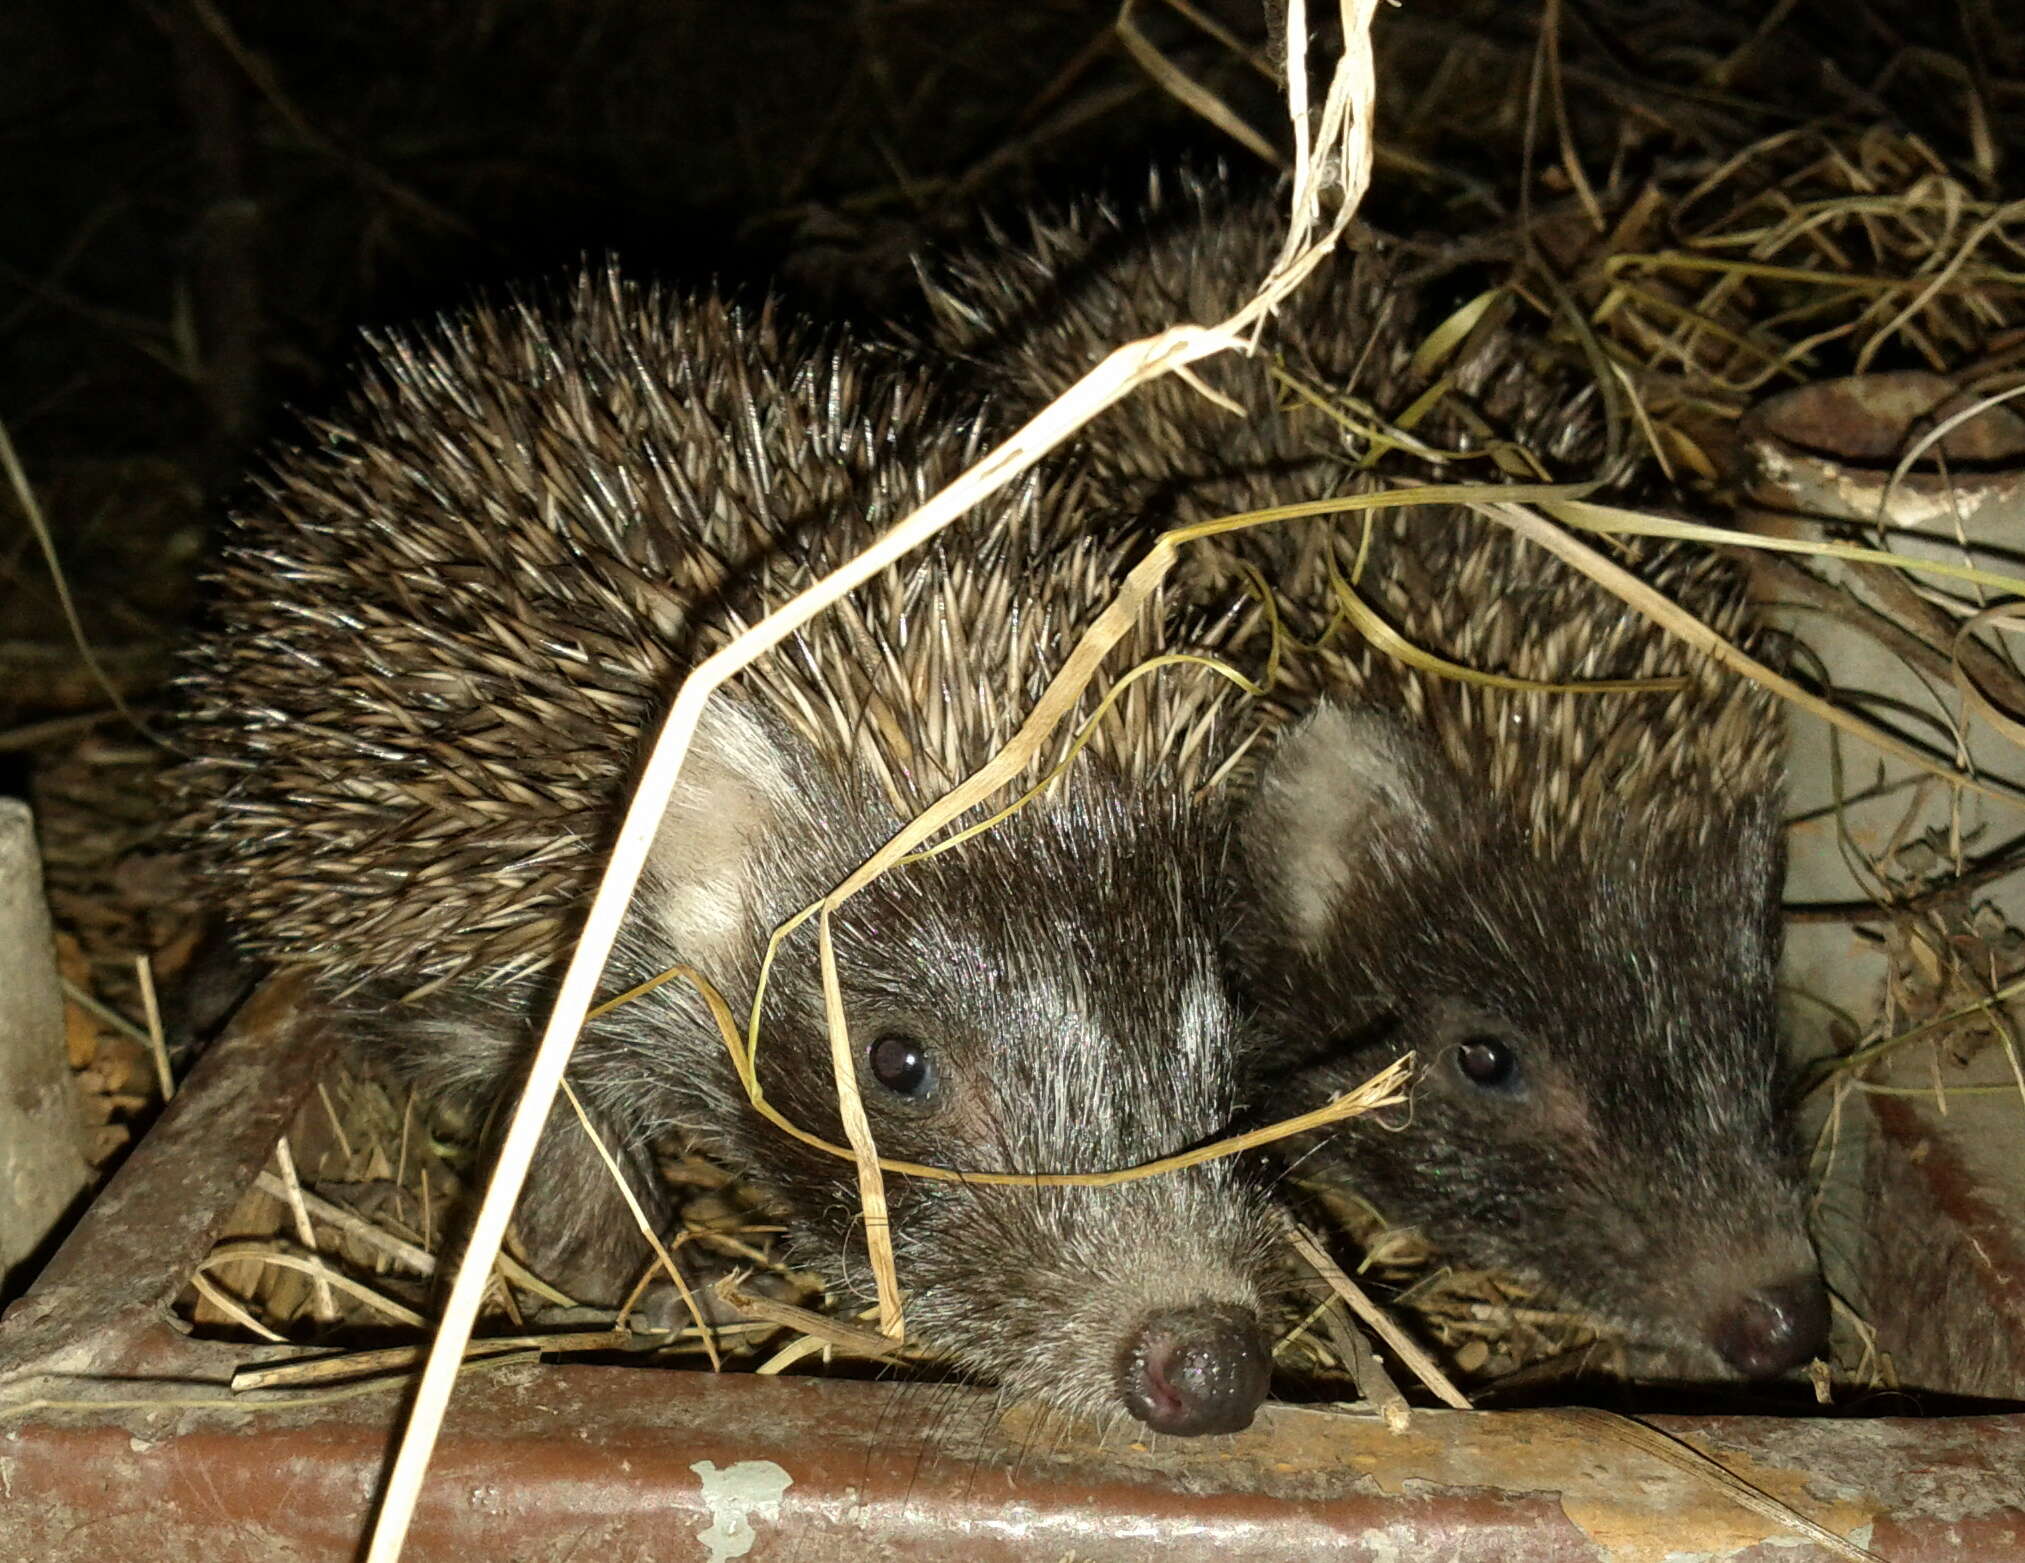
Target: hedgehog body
{"points": [[440, 635], [1564, 905]]}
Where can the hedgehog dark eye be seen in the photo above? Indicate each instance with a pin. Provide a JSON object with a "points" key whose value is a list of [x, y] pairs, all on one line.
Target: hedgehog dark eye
{"points": [[1487, 1061], [902, 1065]]}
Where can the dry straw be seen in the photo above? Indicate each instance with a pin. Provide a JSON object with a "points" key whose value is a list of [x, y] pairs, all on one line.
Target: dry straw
{"points": [[1332, 152], [1408, 1350]]}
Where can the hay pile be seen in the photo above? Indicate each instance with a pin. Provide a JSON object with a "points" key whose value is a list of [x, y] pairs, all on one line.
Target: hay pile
{"points": [[338, 1246]]}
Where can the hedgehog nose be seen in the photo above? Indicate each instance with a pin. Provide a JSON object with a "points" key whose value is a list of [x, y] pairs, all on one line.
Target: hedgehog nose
{"points": [[1771, 1331], [1197, 1370]]}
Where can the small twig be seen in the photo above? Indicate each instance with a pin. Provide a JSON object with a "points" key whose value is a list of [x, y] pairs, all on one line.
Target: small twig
{"points": [[1826, 1069], [364, 1364], [1987, 870], [1403, 1346], [35, 734], [215, 1402], [850, 1339], [1373, 1382], [354, 1226], [158, 1048], [101, 1011], [337, 1124], [305, 1234], [38, 524], [268, 85]]}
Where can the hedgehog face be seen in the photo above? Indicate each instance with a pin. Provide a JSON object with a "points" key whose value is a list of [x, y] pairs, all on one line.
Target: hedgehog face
{"points": [[1045, 998], [1596, 1091]]}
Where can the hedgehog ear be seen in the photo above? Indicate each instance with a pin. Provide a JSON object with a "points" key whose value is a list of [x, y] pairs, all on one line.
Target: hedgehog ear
{"points": [[1346, 787], [743, 781]]}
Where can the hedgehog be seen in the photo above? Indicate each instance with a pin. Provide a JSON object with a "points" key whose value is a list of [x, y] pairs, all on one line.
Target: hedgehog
{"points": [[1565, 907], [440, 630]]}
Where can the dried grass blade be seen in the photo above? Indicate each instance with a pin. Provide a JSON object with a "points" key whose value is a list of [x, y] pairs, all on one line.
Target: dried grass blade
{"points": [[661, 1254], [1424, 1367], [312, 1265], [858, 1130], [1670, 616], [1186, 90]]}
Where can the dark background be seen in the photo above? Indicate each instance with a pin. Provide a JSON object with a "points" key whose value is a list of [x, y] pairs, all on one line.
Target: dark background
{"points": [[203, 199]]}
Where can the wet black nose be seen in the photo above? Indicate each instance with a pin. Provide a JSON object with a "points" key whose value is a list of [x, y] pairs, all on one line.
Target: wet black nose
{"points": [[1197, 1370], [1776, 1329]]}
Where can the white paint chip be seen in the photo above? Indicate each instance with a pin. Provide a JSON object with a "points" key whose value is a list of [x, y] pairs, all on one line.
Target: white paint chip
{"points": [[737, 1495]]}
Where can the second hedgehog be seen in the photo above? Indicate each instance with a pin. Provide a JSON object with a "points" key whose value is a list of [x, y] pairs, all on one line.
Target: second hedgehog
{"points": [[415, 716], [1565, 906]]}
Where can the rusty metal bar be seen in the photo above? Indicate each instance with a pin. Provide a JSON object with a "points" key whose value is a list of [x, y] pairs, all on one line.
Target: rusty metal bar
{"points": [[545, 1462], [570, 1462]]}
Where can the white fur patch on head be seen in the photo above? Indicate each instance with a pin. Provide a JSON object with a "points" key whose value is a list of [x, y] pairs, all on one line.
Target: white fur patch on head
{"points": [[735, 786], [1346, 780], [1208, 1018]]}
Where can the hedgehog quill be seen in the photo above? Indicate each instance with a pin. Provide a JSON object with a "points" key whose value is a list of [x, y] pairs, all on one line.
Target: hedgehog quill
{"points": [[1565, 906], [439, 634]]}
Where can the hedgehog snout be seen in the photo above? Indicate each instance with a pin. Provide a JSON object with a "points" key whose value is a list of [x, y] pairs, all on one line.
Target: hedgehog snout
{"points": [[1773, 1329], [1195, 1370]]}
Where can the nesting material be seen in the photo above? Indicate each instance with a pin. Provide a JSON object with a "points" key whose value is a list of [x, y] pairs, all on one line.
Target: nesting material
{"points": [[341, 1244]]}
